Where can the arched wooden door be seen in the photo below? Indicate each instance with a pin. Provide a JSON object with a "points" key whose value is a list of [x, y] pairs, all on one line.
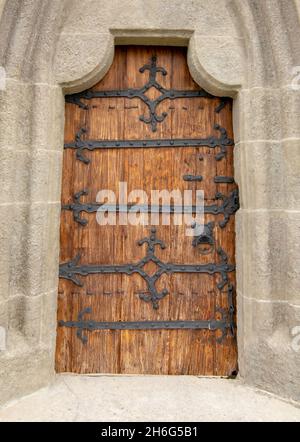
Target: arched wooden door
{"points": [[134, 298]]}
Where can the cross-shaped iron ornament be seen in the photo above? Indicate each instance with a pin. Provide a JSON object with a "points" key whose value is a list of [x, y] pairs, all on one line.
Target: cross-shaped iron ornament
{"points": [[71, 269], [166, 94]]}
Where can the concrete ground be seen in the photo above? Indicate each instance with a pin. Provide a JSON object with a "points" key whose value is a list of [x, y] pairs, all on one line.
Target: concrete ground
{"points": [[148, 398]]}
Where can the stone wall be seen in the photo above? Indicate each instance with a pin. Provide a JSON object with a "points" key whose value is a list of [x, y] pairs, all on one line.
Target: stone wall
{"points": [[243, 48]]}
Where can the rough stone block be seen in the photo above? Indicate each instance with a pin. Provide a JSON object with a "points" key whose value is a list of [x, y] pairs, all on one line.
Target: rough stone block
{"points": [[291, 155], [250, 21], [4, 315], [202, 15], [45, 177], [292, 246], [268, 358], [31, 116], [16, 105], [49, 319], [25, 314], [5, 254], [14, 222], [290, 109], [42, 235], [29, 53], [261, 254], [48, 117], [260, 173], [16, 316], [15, 175], [256, 115], [24, 371], [227, 67], [97, 50], [30, 177], [28, 267], [261, 70]]}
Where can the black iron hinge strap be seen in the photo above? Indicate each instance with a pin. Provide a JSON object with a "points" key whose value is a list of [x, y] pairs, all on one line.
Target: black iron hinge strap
{"points": [[82, 325], [228, 207], [211, 142], [70, 270]]}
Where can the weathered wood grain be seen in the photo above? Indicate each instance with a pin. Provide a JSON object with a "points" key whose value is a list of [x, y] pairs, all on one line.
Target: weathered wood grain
{"points": [[116, 297]]}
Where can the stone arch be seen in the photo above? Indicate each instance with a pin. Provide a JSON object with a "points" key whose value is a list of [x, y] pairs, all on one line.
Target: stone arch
{"points": [[242, 48]]}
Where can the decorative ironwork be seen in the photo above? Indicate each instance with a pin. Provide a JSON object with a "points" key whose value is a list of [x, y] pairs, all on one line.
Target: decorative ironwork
{"points": [[229, 207], [70, 270], [166, 94], [230, 204], [224, 179], [193, 178], [206, 238], [222, 105], [87, 325], [231, 309], [212, 142]]}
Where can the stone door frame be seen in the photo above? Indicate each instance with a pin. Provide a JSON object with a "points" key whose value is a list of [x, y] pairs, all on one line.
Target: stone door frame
{"points": [[65, 56]]}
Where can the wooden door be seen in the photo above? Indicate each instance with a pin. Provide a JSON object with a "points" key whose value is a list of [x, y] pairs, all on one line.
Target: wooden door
{"points": [[147, 299]]}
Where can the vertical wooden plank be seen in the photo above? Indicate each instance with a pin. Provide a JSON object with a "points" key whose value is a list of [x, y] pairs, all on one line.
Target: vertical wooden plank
{"points": [[136, 346]]}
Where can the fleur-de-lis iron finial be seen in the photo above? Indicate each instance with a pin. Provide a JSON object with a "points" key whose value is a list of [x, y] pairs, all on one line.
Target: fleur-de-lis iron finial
{"points": [[166, 94], [70, 270]]}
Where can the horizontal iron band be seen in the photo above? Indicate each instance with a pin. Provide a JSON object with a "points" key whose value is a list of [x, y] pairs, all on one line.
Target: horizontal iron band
{"points": [[71, 270], [67, 270], [146, 325], [107, 144], [119, 208], [230, 204], [136, 208], [136, 93], [82, 325], [223, 141]]}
